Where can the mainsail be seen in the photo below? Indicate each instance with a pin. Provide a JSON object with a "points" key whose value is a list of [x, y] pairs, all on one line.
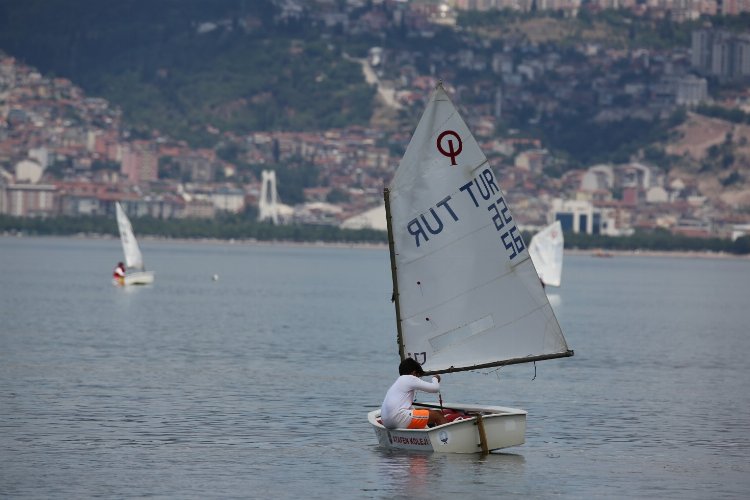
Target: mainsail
{"points": [[133, 258], [546, 249], [467, 294]]}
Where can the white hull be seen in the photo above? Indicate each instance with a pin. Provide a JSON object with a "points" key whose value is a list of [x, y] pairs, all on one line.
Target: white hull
{"points": [[504, 427], [138, 278]]}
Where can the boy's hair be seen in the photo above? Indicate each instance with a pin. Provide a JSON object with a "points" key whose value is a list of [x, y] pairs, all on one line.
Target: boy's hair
{"points": [[410, 365]]}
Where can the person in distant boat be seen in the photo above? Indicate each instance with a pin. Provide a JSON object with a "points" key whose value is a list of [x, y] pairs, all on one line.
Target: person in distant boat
{"points": [[397, 411], [119, 274]]}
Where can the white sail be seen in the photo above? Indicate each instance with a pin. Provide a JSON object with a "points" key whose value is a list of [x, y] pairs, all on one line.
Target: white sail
{"points": [[546, 249], [133, 257], [467, 293]]}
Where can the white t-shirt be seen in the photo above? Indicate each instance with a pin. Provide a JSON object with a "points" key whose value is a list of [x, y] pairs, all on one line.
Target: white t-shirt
{"points": [[396, 410]]}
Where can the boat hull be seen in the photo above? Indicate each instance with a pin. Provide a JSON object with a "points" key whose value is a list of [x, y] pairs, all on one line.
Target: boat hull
{"points": [[504, 427], [139, 278]]}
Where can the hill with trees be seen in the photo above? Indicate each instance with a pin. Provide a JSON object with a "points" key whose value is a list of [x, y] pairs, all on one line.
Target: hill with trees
{"points": [[191, 68]]}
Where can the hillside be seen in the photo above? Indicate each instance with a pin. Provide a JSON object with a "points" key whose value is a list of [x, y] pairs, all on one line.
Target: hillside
{"points": [[617, 29], [194, 69], [191, 68], [715, 154]]}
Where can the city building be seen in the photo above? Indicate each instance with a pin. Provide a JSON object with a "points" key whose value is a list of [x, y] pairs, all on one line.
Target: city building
{"points": [[722, 54], [580, 216]]}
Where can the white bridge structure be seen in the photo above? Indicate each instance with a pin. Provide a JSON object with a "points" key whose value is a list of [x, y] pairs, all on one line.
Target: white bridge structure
{"points": [[268, 205]]}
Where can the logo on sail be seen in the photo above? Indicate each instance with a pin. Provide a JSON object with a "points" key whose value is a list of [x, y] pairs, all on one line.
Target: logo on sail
{"points": [[452, 150]]}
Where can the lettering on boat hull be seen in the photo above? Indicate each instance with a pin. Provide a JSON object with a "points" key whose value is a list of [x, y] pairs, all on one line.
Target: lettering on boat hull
{"points": [[405, 440]]}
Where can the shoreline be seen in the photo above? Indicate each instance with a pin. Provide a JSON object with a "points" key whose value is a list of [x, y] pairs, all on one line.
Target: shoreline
{"points": [[211, 241], [596, 253], [703, 254]]}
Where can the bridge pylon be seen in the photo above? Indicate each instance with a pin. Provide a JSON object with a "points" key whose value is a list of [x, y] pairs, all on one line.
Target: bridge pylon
{"points": [[268, 205]]}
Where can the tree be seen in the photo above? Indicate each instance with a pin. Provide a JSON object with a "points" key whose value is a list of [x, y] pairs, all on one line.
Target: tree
{"points": [[337, 195]]}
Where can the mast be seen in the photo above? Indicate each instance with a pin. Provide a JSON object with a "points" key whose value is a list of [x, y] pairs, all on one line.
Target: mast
{"points": [[394, 275]]}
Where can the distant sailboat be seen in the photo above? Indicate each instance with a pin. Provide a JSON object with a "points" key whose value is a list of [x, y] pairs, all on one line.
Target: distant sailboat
{"points": [[546, 250], [602, 253], [466, 293], [135, 273]]}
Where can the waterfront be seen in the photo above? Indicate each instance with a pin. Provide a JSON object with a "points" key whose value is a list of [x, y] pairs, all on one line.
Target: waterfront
{"points": [[258, 384]]}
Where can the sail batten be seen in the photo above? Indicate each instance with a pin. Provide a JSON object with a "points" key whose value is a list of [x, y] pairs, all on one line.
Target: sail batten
{"points": [[467, 293], [468, 330], [454, 297]]}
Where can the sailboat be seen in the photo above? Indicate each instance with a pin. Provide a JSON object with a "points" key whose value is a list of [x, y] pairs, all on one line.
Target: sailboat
{"points": [[135, 273], [546, 249], [466, 294]]}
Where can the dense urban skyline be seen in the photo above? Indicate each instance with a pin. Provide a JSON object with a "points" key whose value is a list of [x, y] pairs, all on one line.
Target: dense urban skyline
{"points": [[65, 152]]}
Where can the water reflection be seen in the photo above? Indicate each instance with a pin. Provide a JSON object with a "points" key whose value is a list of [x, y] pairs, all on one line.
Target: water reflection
{"points": [[416, 474], [554, 300]]}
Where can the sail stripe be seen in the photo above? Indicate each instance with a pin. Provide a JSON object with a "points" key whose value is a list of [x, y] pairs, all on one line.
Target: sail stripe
{"points": [[464, 292], [461, 333]]}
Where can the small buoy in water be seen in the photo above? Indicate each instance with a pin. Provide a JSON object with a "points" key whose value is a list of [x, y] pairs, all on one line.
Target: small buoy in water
{"points": [[215, 277]]}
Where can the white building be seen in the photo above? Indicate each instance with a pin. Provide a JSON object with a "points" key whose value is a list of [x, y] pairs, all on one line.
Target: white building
{"points": [[635, 175], [28, 200], [579, 216], [229, 199], [371, 219], [740, 230], [41, 155], [598, 177], [691, 91], [28, 170], [657, 194]]}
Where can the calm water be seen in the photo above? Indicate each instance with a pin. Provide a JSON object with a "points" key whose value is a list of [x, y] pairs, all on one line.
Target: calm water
{"points": [[257, 385]]}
